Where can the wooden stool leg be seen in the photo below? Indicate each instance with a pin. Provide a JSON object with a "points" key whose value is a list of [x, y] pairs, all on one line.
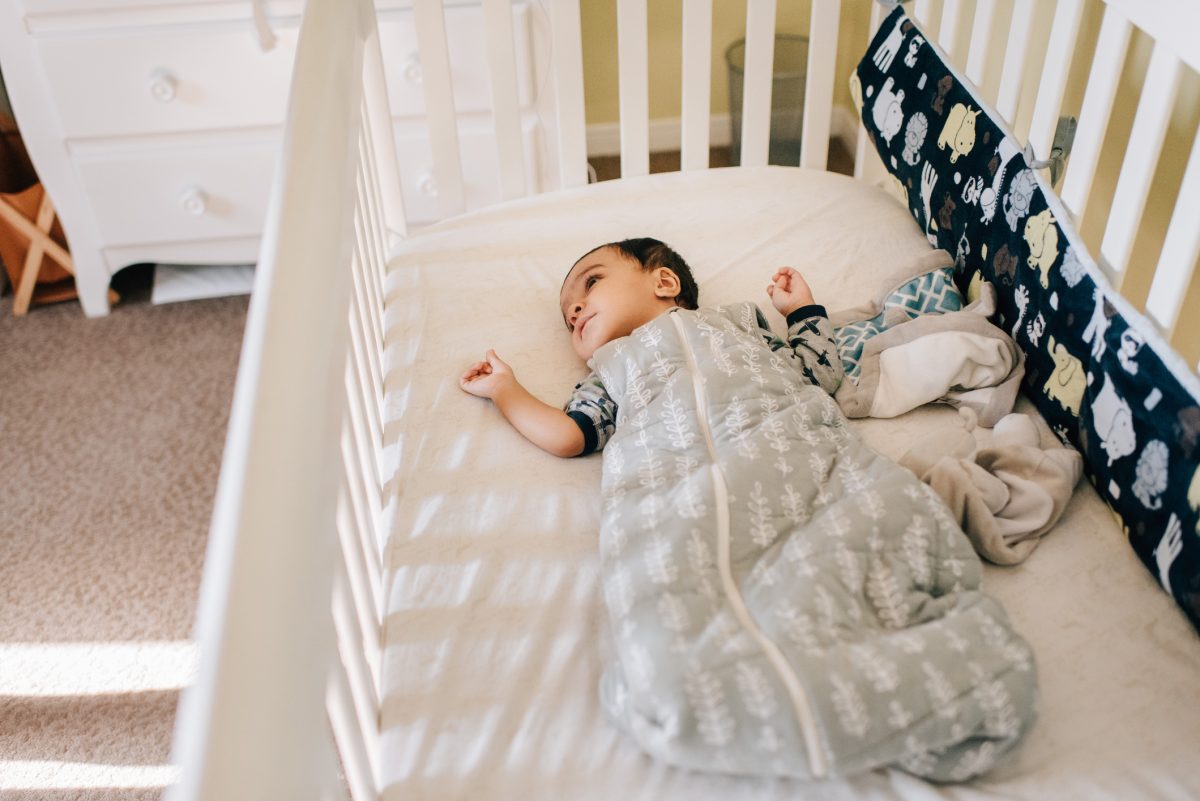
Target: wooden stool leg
{"points": [[33, 259]]}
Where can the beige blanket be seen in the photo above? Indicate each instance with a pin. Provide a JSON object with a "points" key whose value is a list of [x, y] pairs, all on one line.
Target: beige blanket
{"points": [[1005, 495]]}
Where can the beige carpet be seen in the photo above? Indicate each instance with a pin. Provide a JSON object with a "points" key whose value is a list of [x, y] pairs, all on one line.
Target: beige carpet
{"points": [[111, 433]]}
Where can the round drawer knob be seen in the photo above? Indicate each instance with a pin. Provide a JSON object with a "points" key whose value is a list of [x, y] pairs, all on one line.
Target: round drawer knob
{"points": [[427, 184], [412, 69], [162, 85], [194, 201]]}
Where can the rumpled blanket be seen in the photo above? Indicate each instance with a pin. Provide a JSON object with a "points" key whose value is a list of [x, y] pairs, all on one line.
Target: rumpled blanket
{"points": [[917, 357], [1005, 495]]}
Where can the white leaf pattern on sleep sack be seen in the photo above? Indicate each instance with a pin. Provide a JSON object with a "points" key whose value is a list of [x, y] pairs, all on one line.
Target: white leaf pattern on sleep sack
{"points": [[689, 502], [851, 711], [660, 560], [759, 699], [762, 533], [750, 358], [886, 597], [999, 716], [650, 337], [915, 544], [898, 716], [974, 761], [713, 718], [940, 691], [794, 508], [798, 551], [675, 618], [736, 421], [677, 422], [880, 671]]}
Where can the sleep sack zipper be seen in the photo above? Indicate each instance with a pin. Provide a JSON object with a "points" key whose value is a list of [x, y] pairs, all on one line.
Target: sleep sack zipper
{"points": [[816, 759]]}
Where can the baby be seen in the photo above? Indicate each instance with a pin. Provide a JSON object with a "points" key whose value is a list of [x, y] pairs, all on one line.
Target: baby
{"points": [[783, 600], [609, 293]]}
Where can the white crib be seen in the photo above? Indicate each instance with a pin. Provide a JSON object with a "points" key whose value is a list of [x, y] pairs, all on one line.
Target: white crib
{"points": [[290, 694]]}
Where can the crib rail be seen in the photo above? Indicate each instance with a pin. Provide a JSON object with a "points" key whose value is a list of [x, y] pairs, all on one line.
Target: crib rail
{"points": [[290, 608], [1115, 167]]}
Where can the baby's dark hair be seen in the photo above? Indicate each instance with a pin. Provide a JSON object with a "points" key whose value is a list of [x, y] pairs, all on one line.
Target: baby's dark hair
{"points": [[652, 254]]}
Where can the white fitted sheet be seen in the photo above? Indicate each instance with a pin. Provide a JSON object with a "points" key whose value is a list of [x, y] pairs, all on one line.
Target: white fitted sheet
{"points": [[495, 627]]}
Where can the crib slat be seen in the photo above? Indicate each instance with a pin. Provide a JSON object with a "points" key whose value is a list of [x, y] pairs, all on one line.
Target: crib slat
{"points": [[634, 78], [1054, 76], [370, 214], [818, 91], [355, 749], [357, 520], [364, 350], [350, 647], [1180, 249], [366, 483], [385, 170], [363, 586], [952, 16], [439, 104], [756, 92], [923, 11], [1097, 108], [566, 50], [695, 93], [981, 41], [867, 166], [1141, 157], [1014, 59], [502, 72]]}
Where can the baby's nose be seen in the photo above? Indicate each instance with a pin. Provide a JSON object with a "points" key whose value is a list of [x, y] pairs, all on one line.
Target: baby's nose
{"points": [[576, 308]]}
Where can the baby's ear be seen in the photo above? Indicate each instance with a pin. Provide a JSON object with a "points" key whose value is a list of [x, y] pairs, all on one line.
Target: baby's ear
{"points": [[666, 283]]}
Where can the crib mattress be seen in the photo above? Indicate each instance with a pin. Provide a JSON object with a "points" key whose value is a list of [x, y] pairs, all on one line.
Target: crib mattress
{"points": [[495, 631]]}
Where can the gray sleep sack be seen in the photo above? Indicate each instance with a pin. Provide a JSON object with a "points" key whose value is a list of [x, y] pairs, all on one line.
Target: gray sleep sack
{"points": [[783, 600]]}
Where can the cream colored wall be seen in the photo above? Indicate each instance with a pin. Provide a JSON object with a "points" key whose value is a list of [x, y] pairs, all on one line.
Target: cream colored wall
{"points": [[599, 21]]}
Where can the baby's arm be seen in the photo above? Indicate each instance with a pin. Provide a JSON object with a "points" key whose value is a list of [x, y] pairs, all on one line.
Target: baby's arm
{"points": [[810, 334], [549, 428]]}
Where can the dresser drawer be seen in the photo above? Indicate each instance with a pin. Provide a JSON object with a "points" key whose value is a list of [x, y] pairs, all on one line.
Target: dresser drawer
{"points": [[467, 44], [481, 174], [204, 193], [201, 78]]}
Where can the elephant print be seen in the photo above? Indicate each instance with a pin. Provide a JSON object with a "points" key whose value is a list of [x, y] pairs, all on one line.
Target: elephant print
{"points": [[1016, 202], [1068, 382], [959, 131], [1041, 234], [1113, 421], [914, 136], [886, 112]]}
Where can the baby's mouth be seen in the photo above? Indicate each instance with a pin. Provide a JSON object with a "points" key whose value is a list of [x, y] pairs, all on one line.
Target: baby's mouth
{"points": [[583, 323]]}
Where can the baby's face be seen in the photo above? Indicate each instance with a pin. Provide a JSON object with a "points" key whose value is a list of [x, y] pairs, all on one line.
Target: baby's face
{"points": [[606, 296]]}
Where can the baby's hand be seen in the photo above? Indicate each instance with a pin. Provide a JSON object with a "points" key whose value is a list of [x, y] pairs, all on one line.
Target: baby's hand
{"points": [[789, 291], [486, 378]]}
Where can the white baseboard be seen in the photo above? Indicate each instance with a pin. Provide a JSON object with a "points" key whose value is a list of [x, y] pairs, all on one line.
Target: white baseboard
{"points": [[604, 139]]}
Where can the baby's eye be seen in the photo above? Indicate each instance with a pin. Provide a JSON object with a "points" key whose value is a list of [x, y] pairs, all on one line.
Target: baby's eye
{"points": [[591, 280]]}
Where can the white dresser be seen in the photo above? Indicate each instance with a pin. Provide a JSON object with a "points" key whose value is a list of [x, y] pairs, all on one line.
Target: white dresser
{"points": [[155, 125]]}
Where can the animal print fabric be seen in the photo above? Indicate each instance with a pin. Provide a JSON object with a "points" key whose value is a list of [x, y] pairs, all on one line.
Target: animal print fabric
{"points": [[1102, 378], [783, 600]]}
